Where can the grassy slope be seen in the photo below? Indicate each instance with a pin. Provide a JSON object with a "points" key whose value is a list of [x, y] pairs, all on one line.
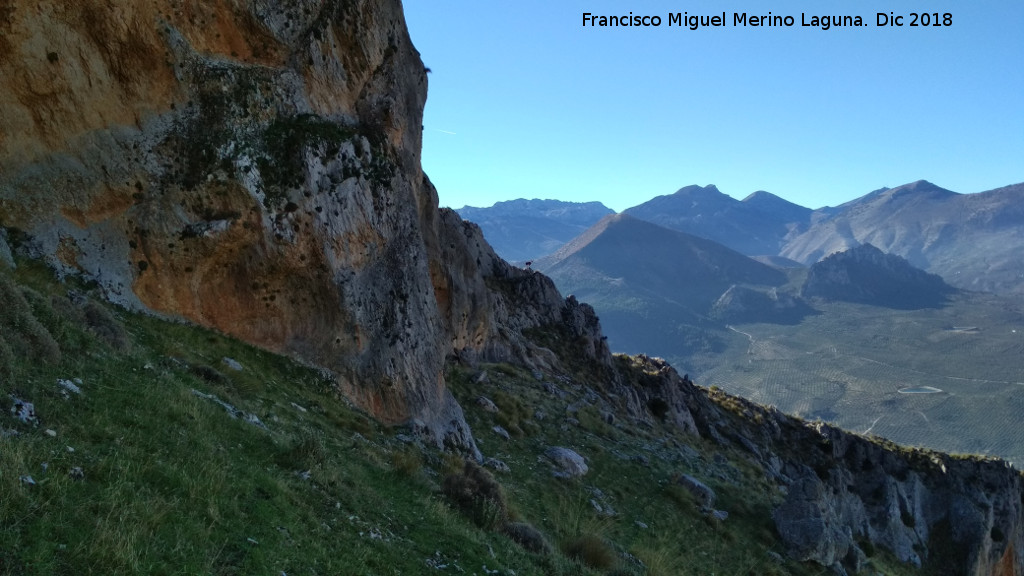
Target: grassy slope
{"points": [[174, 485]]}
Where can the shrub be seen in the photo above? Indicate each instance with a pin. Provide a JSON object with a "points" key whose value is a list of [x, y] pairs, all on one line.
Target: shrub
{"points": [[478, 495], [25, 336], [102, 323], [407, 461], [591, 550], [527, 536], [306, 453]]}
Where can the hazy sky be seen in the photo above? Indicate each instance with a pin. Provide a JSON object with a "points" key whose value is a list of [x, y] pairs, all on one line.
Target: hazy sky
{"points": [[526, 102]]}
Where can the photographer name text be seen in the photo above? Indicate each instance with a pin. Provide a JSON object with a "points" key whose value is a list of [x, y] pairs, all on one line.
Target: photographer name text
{"points": [[688, 21]]}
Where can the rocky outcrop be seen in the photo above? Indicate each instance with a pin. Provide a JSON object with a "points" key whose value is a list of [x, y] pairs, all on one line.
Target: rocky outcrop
{"points": [[847, 495], [843, 495], [867, 275], [254, 167]]}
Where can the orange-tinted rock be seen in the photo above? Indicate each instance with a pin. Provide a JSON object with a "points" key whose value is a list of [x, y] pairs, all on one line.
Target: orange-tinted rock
{"points": [[254, 168]]}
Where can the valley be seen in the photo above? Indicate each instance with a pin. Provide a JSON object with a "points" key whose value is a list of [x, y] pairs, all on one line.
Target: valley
{"points": [[854, 364]]}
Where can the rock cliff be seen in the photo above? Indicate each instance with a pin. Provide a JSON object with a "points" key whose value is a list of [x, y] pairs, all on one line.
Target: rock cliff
{"points": [[254, 167], [846, 495]]}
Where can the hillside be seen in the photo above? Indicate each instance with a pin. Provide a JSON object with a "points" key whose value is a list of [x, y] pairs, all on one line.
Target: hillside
{"points": [[867, 275], [524, 230], [132, 444]]}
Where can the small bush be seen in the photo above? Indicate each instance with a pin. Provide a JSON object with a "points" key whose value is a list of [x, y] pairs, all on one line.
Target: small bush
{"points": [[591, 550], [209, 374], [527, 536], [25, 336], [407, 461], [478, 495], [306, 453], [680, 495], [102, 323]]}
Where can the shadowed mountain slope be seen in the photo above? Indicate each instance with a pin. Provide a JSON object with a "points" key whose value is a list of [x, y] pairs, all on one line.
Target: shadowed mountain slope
{"points": [[652, 286]]}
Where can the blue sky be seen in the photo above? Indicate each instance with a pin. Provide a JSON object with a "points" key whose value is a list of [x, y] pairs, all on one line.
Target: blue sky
{"points": [[525, 102]]}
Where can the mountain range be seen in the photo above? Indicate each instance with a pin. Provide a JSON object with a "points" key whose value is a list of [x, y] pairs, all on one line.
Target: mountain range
{"points": [[522, 230], [974, 241]]}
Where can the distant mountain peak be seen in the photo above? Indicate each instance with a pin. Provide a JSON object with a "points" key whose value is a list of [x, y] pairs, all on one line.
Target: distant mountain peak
{"points": [[710, 191], [522, 230]]}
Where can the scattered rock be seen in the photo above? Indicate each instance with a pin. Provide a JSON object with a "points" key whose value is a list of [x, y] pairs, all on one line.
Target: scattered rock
{"points": [[51, 433], [575, 407], [501, 432], [481, 377], [487, 405], [77, 473], [568, 464], [24, 411], [231, 410], [67, 387], [601, 504], [539, 415], [496, 465], [299, 408], [719, 515], [642, 525], [701, 492], [232, 363], [27, 480], [689, 454]]}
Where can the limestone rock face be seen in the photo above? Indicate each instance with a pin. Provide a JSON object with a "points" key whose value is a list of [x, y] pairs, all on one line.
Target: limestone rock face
{"points": [[254, 167]]}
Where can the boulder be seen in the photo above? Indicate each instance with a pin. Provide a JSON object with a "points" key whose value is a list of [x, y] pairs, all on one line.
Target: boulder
{"points": [[567, 463]]}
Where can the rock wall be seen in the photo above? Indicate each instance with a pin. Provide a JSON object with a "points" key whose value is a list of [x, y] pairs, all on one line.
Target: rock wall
{"points": [[254, 167], [847, 495]]}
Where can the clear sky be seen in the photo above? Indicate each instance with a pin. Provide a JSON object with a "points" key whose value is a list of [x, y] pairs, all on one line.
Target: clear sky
{"points": [[525, 102]]}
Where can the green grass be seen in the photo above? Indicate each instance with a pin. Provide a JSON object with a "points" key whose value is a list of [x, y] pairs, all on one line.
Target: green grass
{"points": [[173, 484]]}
